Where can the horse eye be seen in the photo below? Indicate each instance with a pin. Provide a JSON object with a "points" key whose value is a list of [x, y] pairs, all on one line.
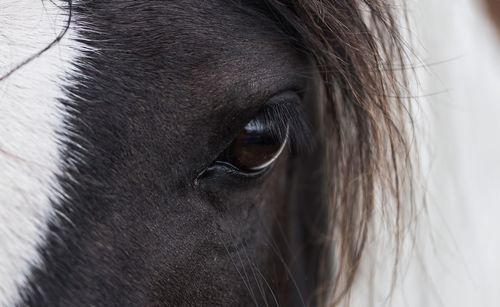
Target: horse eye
{"points": [[254, 149]]}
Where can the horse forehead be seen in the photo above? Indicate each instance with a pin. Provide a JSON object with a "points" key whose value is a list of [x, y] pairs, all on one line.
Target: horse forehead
{"points": [[31, 133], [184, 53], [212, 43]]}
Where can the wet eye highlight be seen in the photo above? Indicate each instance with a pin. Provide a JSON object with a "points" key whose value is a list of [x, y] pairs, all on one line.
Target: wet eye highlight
{"points": [[254, 149]]}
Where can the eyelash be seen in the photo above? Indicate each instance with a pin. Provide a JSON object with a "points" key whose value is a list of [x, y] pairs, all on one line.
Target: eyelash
{"points": [[284, 115]]}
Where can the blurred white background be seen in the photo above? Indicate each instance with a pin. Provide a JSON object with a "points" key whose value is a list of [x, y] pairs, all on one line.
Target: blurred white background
{"points": [[455, 261], [462, 126]]}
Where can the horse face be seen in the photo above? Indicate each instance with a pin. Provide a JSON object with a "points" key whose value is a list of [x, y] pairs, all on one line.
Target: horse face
{"points": [[155, 210]]}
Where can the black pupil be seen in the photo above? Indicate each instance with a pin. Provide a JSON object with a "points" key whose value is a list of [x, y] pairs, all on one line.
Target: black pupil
{"points": [[255, 148]]}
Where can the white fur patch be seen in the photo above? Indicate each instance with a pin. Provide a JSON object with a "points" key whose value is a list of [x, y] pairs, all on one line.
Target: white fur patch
{"points": [[30, 116]]}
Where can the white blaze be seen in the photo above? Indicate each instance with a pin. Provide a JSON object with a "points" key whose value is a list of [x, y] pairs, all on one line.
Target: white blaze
{"points": [[30, 148]]}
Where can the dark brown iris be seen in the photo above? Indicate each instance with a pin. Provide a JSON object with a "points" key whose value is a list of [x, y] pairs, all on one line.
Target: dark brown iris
{"points": [[255, 148]]}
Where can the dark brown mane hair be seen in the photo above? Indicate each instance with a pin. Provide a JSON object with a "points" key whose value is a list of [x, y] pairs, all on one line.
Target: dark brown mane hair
{"points": [[493, 10], [358, 51]]}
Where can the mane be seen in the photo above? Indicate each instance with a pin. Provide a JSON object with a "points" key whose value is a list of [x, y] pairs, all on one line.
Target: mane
{"points": [[357, 49]]}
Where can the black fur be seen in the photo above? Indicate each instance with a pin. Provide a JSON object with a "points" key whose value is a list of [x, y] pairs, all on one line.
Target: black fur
{"points": [[166, 87]]}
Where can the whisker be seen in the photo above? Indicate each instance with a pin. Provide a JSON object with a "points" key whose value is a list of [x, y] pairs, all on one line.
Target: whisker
{"points": [[237, 270], [276, 250], [244, 270], [252, 268], [267, 284]]}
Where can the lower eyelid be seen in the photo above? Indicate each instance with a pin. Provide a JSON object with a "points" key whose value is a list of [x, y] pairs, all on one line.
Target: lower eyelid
{"points": [[224, 168]]}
